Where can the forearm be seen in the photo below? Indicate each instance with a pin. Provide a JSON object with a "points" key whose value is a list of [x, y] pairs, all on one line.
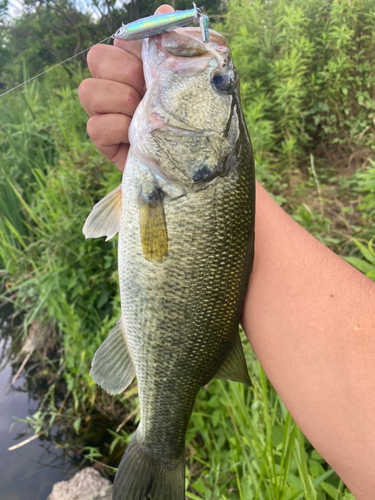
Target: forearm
{"points": [[309, 317]]}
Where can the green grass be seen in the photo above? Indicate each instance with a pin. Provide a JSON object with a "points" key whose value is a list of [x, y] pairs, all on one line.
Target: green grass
{"points": [[45, 196]]}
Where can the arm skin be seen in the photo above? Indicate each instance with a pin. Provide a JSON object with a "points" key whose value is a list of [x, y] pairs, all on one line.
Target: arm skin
{"points": [[310, 318], [309, 315]]}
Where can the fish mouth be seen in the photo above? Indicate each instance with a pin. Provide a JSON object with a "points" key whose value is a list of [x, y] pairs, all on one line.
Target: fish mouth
{"points": [[180, 52], [188, 42], [185, 53]]}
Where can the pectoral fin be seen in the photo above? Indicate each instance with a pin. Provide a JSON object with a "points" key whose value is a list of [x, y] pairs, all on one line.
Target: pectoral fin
{"points": [[112, 367], [105, 217], [234, 366], [153, 226]]}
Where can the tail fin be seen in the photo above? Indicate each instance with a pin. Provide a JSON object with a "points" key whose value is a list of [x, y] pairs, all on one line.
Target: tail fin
{"points": [[140, 477]]}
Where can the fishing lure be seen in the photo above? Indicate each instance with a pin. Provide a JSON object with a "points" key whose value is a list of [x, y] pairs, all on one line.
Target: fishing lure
{"points": [[160, 23]]}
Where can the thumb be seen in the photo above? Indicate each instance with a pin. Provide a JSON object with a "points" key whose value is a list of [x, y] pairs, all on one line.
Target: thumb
{"points": [[164, 9]]}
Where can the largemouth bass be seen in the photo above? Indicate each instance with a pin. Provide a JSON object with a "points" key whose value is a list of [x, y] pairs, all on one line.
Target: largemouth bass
{"points": [[185, 217]]}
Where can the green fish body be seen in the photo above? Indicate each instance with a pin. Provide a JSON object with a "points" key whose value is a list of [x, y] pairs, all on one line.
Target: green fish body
{"points": [[185, 217]]}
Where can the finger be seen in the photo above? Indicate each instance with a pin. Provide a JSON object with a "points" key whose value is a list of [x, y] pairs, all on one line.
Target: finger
{"points": [[109, 133], [119, 158], [107, 96], [112, 63], [134, 47], [164, 9]]}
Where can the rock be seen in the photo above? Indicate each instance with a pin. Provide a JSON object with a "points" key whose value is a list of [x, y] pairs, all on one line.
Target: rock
{"points": [[87, 484]]}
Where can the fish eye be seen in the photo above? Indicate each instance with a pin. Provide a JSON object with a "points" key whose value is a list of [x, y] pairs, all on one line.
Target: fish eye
{"points": [[222, 82]]}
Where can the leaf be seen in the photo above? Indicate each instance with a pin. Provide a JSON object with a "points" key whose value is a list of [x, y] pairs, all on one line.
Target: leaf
{"points": [[368, 253], [103, 299], [315, 468], [192, 496], [315, 483], [315, 455], [200, 486], [77, 424], [215, 417], [329, 489], [360, 264]]}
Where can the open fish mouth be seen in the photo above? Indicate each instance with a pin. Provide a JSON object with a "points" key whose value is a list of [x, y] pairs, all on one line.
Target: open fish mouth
{"points": [[189, 39], [184, 53]]}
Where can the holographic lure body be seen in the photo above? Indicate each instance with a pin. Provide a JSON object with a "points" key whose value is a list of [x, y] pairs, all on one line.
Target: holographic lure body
{"points": [[160, 23]]}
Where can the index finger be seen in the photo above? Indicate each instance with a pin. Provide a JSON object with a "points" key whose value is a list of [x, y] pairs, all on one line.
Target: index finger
{"points": [[113, 63]]}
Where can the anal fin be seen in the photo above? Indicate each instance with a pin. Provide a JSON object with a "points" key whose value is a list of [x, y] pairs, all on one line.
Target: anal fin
{"points": [[112, 367], [234, 366]]}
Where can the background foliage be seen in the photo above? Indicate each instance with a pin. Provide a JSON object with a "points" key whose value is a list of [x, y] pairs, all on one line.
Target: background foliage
{"points": [[307, 80]]}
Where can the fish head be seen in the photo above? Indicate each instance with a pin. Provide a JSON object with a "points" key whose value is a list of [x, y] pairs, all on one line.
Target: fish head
{"points": [[185, 126]]}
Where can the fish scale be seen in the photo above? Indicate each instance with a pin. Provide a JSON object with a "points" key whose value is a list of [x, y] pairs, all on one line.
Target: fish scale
{"points": [[189, 304]]}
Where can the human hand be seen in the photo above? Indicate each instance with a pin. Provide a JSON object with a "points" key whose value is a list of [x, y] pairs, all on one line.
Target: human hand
{"points": [[111, 97]]}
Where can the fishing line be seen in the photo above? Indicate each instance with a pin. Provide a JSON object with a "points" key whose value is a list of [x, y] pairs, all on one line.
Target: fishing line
{"points": [[53, 67]]}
